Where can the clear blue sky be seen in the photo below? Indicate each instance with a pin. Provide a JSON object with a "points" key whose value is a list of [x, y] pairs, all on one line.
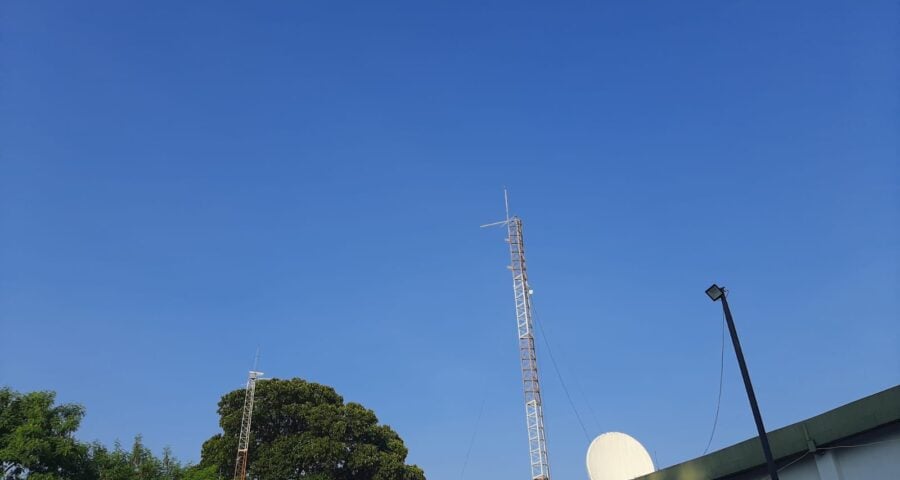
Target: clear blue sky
{"points": [[183, 181]]}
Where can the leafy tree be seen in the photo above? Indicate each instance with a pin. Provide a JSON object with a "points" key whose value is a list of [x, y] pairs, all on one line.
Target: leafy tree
{"points": [[170, 469], [112, 464], [303, 430], [37, 443], [36, 438], [199, 472], [143, 463], [136, 464]]}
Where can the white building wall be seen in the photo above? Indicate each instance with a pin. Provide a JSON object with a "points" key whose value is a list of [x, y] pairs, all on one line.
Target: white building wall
{"points": [[876, 458]]}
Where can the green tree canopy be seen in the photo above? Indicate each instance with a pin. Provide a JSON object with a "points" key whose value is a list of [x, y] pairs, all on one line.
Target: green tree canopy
{"points": [[198, 472], [36, 438], [37, 443], [136, 464], [303, 430]]}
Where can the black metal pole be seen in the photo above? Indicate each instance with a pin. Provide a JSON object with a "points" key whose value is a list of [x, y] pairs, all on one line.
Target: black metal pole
{"points": [[773, 472]]}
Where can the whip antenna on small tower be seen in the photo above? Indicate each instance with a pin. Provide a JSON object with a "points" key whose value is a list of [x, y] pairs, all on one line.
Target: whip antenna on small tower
{"points": [[240, 466], [534, 407]]}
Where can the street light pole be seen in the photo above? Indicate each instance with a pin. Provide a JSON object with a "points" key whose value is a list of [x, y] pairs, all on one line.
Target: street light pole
{"points": [[717, 293]]}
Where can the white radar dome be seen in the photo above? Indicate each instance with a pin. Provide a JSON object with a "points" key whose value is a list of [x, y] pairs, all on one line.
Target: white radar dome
{"points": [[617, 456]]}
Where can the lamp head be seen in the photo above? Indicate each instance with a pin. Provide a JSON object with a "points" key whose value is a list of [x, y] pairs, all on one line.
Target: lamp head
{"points": [[715, 292]]}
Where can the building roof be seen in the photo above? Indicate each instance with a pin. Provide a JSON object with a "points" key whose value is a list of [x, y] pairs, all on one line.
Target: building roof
{"points": [[852, 419]]}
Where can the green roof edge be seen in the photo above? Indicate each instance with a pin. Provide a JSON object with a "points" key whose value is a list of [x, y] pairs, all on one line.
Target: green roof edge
{"points": [[845, 421]]}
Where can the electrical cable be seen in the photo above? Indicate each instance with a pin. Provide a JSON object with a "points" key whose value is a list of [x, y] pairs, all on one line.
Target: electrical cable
{"points": [[721, 382], [572, 375], [858, 444], [586, 400], [556, 368], [801, 457], [474, 434]]}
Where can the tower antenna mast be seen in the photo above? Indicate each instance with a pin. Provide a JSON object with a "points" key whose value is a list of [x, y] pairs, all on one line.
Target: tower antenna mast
{"points": [[534, 409], [240, 466]]}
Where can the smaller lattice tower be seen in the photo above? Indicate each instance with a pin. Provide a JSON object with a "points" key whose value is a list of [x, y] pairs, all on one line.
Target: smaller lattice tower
{"points": [[240, 466]]}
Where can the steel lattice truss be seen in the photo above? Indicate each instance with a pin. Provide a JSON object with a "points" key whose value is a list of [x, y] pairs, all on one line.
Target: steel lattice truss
{"points": [[534, 411], [240, 466]]}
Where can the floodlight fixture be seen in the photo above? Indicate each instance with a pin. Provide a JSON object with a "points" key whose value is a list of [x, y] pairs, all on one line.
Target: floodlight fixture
{"points": [[715, 292]]}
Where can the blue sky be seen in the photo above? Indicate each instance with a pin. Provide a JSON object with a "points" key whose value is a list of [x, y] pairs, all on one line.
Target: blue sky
{"points": [[183, 181]]}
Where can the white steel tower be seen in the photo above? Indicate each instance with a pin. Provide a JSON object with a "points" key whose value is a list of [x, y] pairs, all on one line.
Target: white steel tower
{"points": [[240, 466], [534, 410]]}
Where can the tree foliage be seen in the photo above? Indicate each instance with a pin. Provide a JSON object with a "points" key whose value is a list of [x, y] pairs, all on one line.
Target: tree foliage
{"points": [[36, 438], [138, 463], [37, 443], [303, 430], [199, 472]]}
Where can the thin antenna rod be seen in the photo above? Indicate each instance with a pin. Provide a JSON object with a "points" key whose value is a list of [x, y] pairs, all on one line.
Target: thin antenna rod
{"points": [[506, 202], [256, 359]]}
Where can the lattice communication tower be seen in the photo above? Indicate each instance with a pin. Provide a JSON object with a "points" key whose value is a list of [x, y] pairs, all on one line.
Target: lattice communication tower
{"points": [[240, 467], [534, 409]]}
